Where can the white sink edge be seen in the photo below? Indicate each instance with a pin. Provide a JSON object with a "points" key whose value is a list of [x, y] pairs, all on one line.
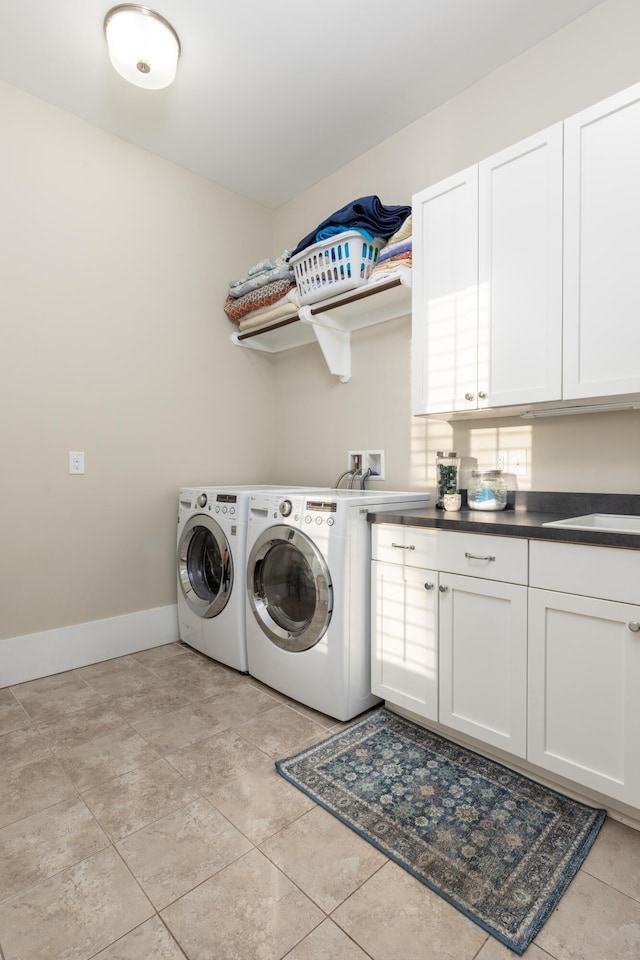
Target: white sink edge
{"points": [[600, 522]]}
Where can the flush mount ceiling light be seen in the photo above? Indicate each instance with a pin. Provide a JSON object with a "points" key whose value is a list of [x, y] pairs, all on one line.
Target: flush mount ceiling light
{"points": [[143, 46]]}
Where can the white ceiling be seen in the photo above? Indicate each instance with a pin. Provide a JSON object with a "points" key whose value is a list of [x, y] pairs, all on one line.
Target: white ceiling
{"points": [[271, 97]]}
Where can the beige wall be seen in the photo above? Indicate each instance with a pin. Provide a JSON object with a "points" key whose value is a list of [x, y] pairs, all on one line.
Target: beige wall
{"points": [[592, 58], [113, 271]]}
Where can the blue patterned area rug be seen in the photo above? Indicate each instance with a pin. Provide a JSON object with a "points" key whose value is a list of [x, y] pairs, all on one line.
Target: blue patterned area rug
{"points": [[497, 846]]}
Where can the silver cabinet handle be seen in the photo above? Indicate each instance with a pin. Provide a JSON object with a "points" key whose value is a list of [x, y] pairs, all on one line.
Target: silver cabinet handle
{"points": [[472, 556], [469, 396], [443, 588], [482, 394], [400, 546], [428, 586], [634, 626]]}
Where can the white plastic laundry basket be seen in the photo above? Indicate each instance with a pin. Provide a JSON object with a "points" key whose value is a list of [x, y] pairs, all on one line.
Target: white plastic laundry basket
{"points": [[332, 266]]}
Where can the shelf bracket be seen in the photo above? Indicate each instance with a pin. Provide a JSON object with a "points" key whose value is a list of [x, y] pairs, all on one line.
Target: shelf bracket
{"points": [[334, 342], [330, 322]]}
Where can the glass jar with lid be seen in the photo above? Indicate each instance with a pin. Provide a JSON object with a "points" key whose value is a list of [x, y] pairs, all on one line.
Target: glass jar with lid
{"points": [[487, 490], [447, 464]]}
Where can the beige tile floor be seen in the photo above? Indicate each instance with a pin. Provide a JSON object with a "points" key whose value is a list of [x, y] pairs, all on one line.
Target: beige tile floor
{"points": [[141, 818]]}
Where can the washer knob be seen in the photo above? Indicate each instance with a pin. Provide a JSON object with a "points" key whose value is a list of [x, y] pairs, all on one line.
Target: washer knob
{"points": [[285, 508], [202, 500]]}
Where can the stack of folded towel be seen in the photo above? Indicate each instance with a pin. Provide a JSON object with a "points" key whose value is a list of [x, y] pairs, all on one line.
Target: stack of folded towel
{"points": [[395, 258], [267, 292]]}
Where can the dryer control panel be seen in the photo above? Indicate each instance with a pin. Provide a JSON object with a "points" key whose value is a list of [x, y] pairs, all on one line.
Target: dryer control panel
{"points": [[226, 503]]}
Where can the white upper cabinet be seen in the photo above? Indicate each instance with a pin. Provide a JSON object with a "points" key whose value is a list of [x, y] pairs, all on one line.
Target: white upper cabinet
{"points": [[445, 295], [487, 288], [520, 272], [602, 249]]}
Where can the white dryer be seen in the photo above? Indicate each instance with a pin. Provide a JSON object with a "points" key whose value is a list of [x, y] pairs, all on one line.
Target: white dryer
{"points": [[211, 570], [211, 559], [308, 594]]}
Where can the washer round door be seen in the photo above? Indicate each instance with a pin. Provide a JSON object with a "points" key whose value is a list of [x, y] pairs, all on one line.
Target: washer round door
{"points": [[205, 566], [289, 588]]}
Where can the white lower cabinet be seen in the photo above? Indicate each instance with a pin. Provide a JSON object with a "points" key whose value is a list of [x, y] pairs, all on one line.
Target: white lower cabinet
{"points": [[531, 647], [584, 683], [404, 626], [483, 660], [584, 668], [451, 646]]}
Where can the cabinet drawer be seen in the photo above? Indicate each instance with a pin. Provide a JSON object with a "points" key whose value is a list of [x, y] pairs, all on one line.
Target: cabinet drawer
{"points": [[589, 571], [409, 546], [477, 555]]}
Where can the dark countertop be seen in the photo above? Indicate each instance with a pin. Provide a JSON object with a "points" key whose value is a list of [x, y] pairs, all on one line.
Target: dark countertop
{"points": [[524, 518]]}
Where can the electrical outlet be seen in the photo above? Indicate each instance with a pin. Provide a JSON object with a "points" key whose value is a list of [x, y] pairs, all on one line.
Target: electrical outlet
{"points": [[76, 461], [518, 462], [512, 461]]}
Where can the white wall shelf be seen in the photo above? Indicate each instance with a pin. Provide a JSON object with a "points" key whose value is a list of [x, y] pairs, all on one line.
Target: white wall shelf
{"points": [[330, 322]]}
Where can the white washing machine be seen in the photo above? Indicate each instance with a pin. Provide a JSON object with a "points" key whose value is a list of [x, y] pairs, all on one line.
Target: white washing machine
{"points": [[211, 570], [308, 594]]}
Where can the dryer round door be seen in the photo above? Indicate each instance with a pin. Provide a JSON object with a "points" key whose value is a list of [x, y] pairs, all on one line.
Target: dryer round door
{"points": [[289, 588], [205, 566]]}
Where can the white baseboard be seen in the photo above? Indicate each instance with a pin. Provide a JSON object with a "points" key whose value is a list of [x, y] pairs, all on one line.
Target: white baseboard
{"points": [[65, 648]]}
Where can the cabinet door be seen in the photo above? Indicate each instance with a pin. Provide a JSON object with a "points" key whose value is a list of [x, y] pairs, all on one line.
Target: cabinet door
{"points": [[602, 249], [584, 678], [483, 660], [404, 635], [445, 295], [520, 272]]}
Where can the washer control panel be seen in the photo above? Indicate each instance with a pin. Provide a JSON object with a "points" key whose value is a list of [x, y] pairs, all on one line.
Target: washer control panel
{"points": [[284, 507], [320, 513]]}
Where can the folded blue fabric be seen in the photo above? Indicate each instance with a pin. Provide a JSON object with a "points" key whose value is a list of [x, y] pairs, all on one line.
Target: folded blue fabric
{"points": [[334, 231], [365, 213]]}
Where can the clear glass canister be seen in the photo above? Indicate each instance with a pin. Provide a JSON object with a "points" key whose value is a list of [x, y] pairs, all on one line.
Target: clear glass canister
{"points": [[487, 490], [447, 466]]}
